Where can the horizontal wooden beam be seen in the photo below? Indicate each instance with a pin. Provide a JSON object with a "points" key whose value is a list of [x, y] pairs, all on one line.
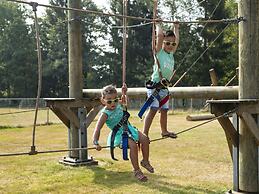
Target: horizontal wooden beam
{"points": [[205, 92], [71, 102]]}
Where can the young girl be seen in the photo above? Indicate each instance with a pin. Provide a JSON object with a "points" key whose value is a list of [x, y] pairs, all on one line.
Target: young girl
{"points": [[112, 114]]}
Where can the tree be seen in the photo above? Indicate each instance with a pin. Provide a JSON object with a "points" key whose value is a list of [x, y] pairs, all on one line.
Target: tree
{"points": [[18, 62], [189, 47], [139, 53], [55, 48], [231, 60], [216, 56]]}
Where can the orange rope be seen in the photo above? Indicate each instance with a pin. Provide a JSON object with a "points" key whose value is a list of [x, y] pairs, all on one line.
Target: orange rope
{"points": [[154, 27], [124, 50], [124, 42]]}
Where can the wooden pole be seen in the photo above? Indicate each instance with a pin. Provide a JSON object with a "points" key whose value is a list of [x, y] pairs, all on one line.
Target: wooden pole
{"points": [[249, 89], [75, 67], [213, 77]]}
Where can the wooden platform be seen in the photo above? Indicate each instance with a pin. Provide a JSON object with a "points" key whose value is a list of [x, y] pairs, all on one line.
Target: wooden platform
{"points": [[244, 108], [66, 108]]}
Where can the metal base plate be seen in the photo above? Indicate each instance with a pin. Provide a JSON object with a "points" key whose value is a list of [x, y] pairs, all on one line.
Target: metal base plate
{"points": [[78, 162], [239, 192]]}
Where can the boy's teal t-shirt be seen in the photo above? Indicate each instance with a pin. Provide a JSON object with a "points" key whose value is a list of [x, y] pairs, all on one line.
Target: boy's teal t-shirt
{"points": [[166, 61]]}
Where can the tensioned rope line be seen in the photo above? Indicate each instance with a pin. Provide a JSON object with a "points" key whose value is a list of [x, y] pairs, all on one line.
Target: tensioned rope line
{"points": [[148, 23], [230, 81], [134, 26], [34, 6], [187, 9], [124, 42], [195, 126], [114, 27], [226, 114], [195, 62], [186, 54], [122, 16]]}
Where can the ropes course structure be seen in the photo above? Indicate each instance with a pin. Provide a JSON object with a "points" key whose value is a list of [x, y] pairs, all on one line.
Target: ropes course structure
{"points": [[124, 17], [241, 134]]}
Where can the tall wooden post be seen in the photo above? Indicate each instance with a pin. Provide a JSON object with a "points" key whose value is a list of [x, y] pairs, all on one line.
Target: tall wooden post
{"points": [[248, 89], [75, 68]]}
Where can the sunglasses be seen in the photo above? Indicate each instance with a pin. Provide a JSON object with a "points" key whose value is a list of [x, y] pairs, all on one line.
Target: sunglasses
{"points": [[168, 43], [112, 101]]}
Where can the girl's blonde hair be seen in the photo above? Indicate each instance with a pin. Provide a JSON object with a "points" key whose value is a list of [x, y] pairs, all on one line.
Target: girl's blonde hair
{"points": [[110, 89]]}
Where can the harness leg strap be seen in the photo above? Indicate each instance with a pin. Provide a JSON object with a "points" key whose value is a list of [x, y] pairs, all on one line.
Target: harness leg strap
{"points": [[112, 144], [125, 144]]}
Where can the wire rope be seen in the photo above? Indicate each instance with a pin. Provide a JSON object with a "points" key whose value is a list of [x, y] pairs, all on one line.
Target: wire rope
{"points": [[122, 16], [195, 62], [226, 114], [193, 43], [34, 6]]}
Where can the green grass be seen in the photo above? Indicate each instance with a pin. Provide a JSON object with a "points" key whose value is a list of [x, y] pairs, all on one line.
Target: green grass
{"points": [[13, 117], [198, 161]]}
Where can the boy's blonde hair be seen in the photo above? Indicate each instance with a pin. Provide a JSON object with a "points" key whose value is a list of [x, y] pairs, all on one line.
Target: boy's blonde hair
{"points": [[110, 89]]}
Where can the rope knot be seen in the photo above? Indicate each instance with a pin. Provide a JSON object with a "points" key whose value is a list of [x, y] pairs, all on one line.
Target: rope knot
{"points": [[34, 5]]}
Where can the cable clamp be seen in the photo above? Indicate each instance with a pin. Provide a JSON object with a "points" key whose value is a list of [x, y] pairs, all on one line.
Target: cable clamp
{"points": [[34, 5], [241, 19]]}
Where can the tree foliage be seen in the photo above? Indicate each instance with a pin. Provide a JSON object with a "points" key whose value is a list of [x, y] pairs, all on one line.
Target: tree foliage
{"points": [[102, 45], [17, 53]]}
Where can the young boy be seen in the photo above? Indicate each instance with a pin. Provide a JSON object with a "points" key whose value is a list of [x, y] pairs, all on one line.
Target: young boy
{"points": [[165, 48]]}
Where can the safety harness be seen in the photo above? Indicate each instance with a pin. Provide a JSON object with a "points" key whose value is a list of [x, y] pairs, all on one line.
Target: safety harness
{"points": [[163, 84], [125, 135]]}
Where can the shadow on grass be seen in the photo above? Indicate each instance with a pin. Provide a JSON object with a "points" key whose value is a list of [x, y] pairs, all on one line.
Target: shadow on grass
{"points": [[9, 127], [114, 179]]}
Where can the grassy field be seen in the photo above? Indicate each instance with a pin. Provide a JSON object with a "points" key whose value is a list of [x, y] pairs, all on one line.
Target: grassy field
{"points": [[198, 161], [13, 117]]}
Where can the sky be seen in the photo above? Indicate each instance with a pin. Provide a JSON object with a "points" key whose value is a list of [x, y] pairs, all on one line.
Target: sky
{"points": [[103, 4], [99, 3]]}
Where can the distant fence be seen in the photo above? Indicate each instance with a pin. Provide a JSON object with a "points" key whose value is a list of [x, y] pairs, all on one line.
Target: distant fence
{"points": [[20, 103], [174, 104], [134, 103], [20, 111], [17, 107]]}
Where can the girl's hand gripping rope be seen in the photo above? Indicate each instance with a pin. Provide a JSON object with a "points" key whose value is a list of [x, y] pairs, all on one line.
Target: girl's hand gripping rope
{"points": [[124, 99]]}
